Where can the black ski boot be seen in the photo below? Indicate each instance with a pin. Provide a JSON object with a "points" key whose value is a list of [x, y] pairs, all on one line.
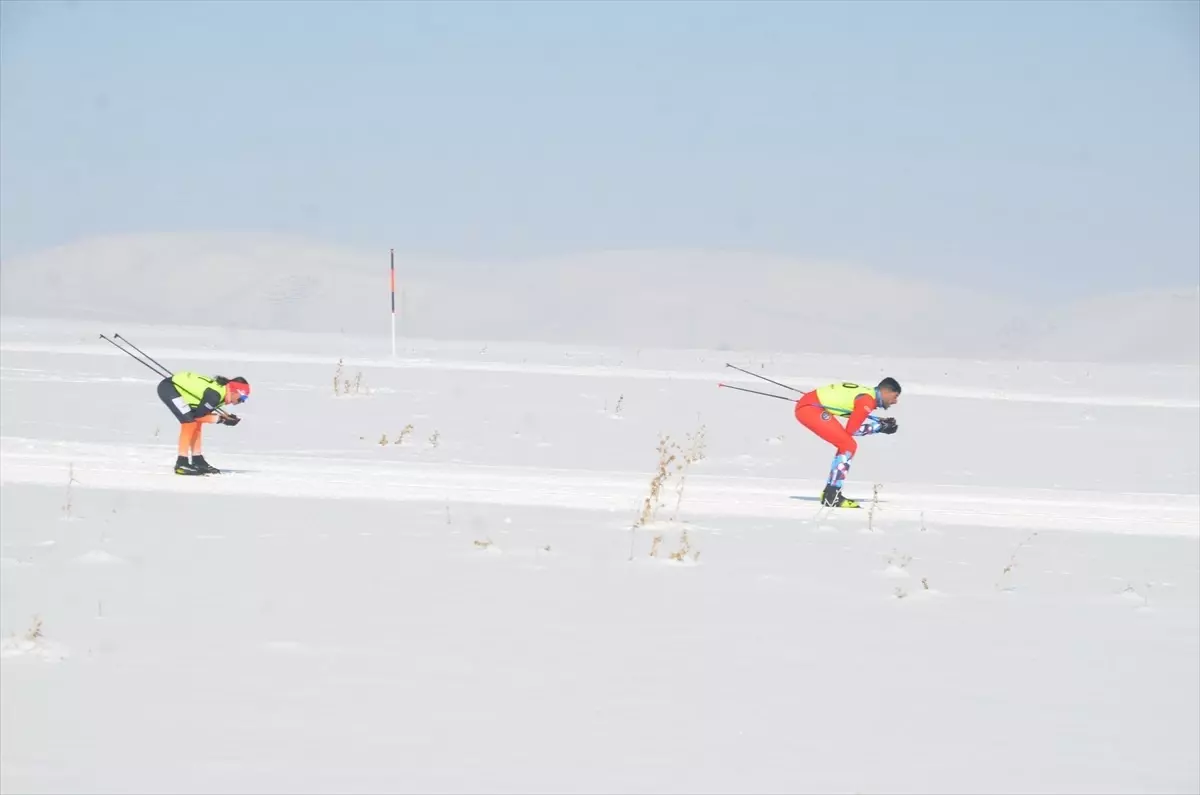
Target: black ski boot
{"points": [[833, 498], [182, 467], [203, 467]]}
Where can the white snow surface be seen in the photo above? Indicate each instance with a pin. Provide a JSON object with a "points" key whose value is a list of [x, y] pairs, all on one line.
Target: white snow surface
{"points": [[1019, 611]]}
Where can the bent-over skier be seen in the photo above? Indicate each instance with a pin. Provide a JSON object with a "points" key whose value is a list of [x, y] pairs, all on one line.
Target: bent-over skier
{"points": [[196, 399], [817, 409]]}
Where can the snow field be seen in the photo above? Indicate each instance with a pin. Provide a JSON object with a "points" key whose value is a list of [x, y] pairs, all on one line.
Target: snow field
{"points": [[1018, 614]]}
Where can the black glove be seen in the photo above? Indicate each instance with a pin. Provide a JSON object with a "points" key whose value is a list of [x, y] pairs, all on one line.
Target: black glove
{"points": [[229, 419], [887, 425]]}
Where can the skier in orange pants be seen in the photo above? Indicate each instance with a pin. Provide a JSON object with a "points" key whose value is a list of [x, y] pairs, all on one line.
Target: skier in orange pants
{"points": [[196, 400], [817, 410]]}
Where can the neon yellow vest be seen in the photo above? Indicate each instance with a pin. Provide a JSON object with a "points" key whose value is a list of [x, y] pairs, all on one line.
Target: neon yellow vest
{"points": [[839, 398], [191, 387]]}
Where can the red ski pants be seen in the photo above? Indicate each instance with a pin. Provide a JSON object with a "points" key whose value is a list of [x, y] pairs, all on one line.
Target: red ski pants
{"points": [[823, 424]]}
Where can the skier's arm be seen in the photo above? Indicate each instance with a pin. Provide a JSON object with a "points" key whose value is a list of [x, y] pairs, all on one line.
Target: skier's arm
{"points": [[872, 425], [863, 405], [209, 402]]}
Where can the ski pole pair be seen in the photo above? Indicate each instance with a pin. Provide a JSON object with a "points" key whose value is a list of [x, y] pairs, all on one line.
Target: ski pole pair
{"points": [[769, 394], [755, 391], [151, 363]]}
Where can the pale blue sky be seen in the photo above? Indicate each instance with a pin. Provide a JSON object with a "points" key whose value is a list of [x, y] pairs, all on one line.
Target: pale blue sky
{"points": [[947, 140]]}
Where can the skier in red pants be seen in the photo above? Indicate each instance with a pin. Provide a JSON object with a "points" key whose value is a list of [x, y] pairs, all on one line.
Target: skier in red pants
{"points": [[817, 410]]}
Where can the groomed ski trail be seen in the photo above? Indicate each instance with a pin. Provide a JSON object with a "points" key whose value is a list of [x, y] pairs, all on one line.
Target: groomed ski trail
{"points": [[709, 373], [147, 468]]}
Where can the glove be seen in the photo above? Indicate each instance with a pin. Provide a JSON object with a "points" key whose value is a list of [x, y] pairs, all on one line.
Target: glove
{"points": [[232, 419], [888, 425]]}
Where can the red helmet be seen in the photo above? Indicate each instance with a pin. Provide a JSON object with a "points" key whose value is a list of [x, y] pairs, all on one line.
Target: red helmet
{"points": [[238, 390]]}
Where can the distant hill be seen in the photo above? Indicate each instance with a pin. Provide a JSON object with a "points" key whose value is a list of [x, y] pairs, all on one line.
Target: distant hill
{"points": [[630, 298], [1161, 326]]}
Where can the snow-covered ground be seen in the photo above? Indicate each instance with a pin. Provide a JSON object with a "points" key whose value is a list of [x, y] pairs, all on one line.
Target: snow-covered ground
{"points": [[470, 608]]}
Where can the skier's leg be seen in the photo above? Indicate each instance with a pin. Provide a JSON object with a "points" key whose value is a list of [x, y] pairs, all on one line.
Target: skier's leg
{"points": [[839, 470], [170, 396], [198, 439], [187, 433], [197, 446], [826, 427]]}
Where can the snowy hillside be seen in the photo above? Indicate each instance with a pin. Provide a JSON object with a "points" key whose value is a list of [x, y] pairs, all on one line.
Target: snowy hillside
{"points": [[637, 299], [1142, 327]]}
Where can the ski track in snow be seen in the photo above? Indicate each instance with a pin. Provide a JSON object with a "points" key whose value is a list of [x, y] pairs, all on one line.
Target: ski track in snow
{"points": [[140, 468], [592, 371]]}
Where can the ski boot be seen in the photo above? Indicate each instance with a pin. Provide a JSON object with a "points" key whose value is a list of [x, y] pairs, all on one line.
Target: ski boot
{"points": [[182, 467], [203, 467], [832, 497]]}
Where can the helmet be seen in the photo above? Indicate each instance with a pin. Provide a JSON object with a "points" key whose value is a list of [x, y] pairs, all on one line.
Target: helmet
{"points": [[238, 390]]}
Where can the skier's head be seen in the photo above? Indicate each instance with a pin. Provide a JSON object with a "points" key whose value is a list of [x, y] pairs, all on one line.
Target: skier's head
{"points": [[889, 392], [237, 390]]}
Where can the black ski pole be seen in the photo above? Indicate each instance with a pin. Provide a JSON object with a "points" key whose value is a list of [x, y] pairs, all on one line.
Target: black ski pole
{"points": [[165, 373], [756, 392], [137, 359], [763, 377], [143, 353]]}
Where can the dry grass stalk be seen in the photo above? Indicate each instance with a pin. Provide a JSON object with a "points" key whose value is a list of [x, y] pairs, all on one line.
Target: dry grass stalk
{"points": [[69, 503], [694, 453], [685, 546], [1012, 561], [672, 460], [874, 505], [343, 385], [668, 453]]}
